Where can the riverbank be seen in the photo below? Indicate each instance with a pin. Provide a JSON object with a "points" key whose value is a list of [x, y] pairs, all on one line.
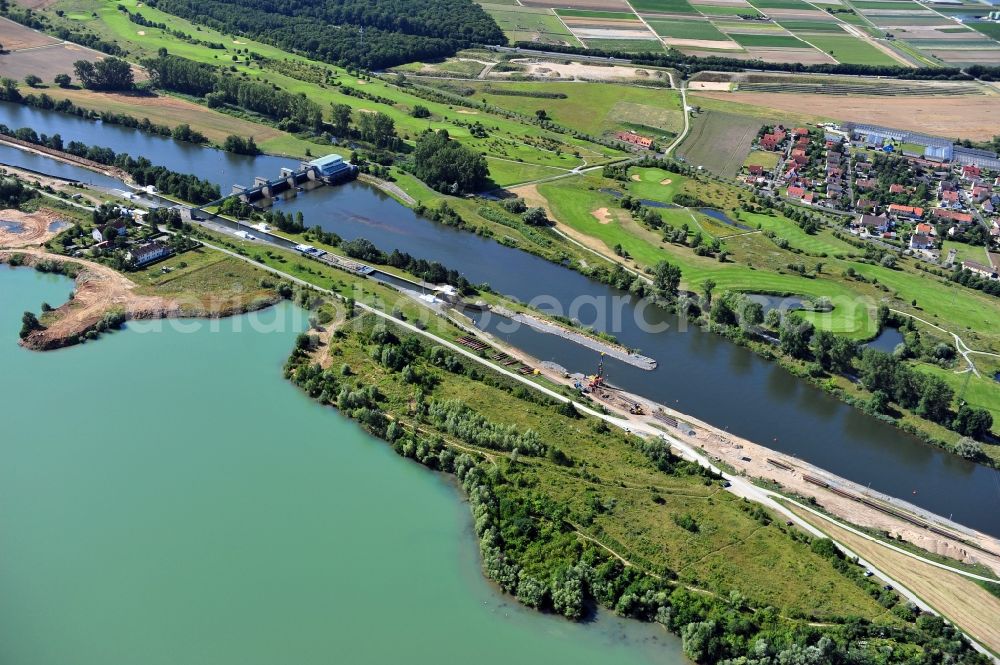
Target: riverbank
{"points": [[592, 497], [104, 299], [67, 158], [744, 457]]}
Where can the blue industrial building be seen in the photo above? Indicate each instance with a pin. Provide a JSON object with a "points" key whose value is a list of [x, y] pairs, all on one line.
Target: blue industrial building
{"points": [[332, 166]]}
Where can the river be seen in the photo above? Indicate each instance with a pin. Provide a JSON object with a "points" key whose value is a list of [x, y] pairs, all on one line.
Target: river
{"points": [[169, 498], [699, 373]]}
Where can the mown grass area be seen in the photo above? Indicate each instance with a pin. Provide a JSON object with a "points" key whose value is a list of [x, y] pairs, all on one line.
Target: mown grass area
{"points": [[509, 138], [205, 280], [593, 108], [978, 391], [762, 158], [757, 265], [505, 173], [639, 507]]}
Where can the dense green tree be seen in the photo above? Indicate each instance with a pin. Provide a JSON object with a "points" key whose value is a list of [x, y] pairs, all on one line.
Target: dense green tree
{"points": [[106, 74], [666, 280], [448, 166], [972, 421]]}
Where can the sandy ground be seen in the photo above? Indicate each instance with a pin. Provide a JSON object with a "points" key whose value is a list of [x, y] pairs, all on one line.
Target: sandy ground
{"points": [[602, 215], [807, 56], [636, 177], [703, 43], [970, 606], [99, 289], [35, 227], [666, 181], [467, 112], [638, 32], [572, 71], [723, 86], [975, 117]]}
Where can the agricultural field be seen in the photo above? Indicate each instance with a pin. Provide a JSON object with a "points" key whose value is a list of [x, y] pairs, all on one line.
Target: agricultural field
{"points": [[972, 116], [795, 32], [28, 51], [507, 139], [594, 108], [720, 141], [530, 24]]}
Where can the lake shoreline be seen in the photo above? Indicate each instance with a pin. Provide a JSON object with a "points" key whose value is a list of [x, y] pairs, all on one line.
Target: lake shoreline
{"points": [[103, 300]]}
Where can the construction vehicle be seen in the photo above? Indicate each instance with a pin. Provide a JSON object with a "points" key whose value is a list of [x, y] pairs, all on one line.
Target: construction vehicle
{"points": [[596, 381]]}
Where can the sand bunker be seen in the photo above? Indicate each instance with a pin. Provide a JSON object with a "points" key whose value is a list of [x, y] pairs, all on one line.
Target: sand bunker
{"points": [[602, 215], [636, 178], [141, 33], [468, 111], [666, 181]]}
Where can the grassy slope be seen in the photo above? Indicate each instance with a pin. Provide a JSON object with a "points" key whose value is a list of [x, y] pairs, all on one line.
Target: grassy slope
{"points": [[730, 550]]}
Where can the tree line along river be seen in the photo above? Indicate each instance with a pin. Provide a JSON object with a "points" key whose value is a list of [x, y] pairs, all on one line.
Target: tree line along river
{"points": [[169, 498], [698, 373]]}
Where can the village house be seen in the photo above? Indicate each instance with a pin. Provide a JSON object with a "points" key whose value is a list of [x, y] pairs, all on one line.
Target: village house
{"points": [[110, 231], [979, 269], [808, 198], [865, 184], [925, 228], [773, 140], [756, 169], [871, 225], [921, 241], [865, 205], [795, 192], [953, 215], [147, 253], [635, 139], [896, 188], [971, 172], [980, 193], [950, 197], [906, 212]]}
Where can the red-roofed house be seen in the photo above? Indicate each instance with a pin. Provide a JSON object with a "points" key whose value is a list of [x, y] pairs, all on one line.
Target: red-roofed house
{"points": [[635, 139], [949, 196], [953, 215], [970, 171], [923, 227], [896, 189], [979, 192], [756, 169], [909, 212], [809, 198], [800, 131], [795, 192]]}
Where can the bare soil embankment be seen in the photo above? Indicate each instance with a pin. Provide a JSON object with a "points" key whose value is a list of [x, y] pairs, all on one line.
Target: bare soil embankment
{"points": [[101, 291]]}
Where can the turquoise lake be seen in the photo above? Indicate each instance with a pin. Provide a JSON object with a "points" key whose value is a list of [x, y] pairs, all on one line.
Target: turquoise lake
{"points": [[167, 497]]}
